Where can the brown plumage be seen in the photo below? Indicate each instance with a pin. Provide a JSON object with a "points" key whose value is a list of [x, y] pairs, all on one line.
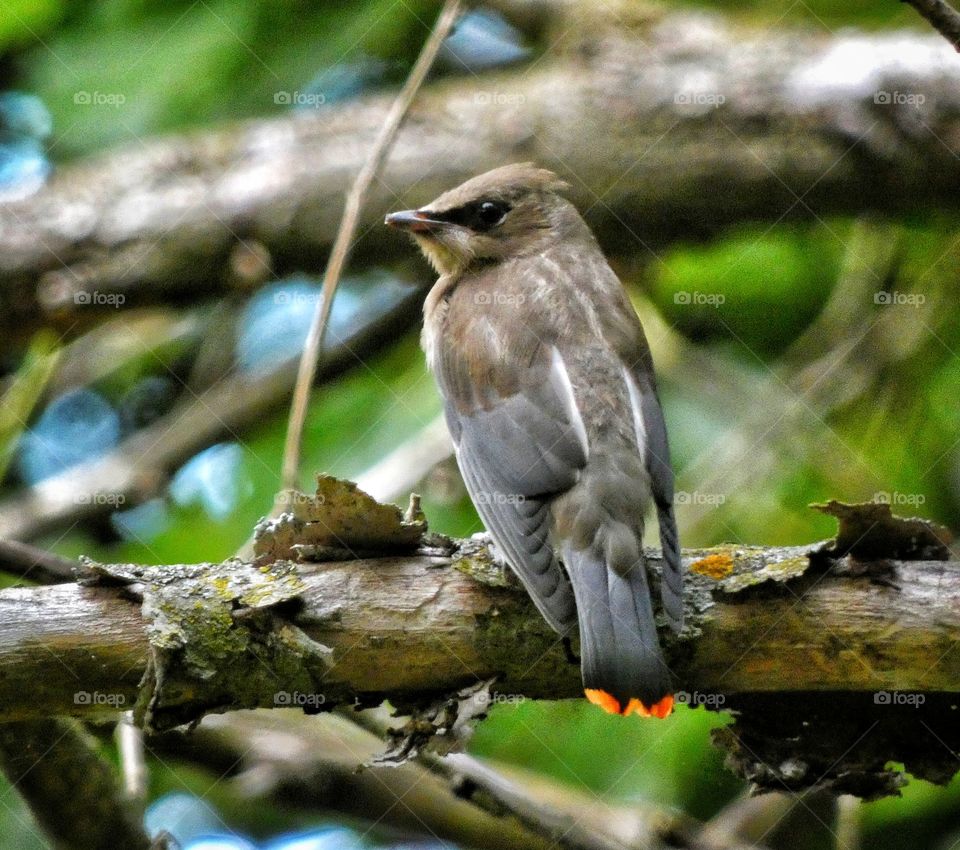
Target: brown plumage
{"points": [[550, 397]]}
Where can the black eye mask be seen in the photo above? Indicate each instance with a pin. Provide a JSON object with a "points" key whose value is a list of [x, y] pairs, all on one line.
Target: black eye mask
{"points": [[479, 216]]}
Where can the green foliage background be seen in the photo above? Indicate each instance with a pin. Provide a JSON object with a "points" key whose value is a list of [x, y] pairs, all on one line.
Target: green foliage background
{"points": [[181, 65]]}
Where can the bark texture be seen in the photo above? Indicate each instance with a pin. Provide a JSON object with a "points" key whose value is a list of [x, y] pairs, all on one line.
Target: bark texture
{"points": [[863, 650]]}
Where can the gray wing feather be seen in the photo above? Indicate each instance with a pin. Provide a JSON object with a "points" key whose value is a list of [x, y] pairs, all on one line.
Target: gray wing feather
{"points": [[521, 532], [661, 485], [514, 455]]}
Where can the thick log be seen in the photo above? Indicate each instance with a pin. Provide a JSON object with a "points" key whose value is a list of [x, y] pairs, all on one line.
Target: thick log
{"points": [[667, 126]]}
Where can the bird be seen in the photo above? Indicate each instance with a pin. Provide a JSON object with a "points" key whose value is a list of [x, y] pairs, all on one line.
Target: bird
{"points": [[551, 402]]}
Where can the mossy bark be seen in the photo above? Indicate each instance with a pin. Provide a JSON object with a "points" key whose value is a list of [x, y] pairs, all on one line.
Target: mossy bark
{"points": [[763, 625]]}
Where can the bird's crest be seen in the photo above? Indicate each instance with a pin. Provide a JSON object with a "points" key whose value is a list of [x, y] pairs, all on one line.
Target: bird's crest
{"points": [[507, 182]]}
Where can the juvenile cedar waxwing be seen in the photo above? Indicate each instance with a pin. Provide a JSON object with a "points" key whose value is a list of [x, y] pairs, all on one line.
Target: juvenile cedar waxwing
{"points": [[550, 397]]}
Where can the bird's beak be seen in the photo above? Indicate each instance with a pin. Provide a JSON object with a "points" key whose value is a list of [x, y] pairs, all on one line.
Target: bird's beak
{"points": [[415, 221]]}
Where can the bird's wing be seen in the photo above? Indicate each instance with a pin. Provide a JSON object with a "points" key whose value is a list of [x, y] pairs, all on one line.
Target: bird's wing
{"points": [[622, 327], [515, 452], [649, 418]]}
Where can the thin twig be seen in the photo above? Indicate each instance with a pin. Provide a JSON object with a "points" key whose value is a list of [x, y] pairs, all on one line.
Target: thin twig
{"points": [[345, 234], [38, 565], [570, 824], [944, 18], [133, 765]]}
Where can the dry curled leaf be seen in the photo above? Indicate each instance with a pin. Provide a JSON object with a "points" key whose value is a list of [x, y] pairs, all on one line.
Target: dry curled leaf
{"points": [[339, 521]]}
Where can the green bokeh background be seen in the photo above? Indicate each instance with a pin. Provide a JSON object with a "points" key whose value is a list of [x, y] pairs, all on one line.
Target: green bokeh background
{"points": [[181, 65]]}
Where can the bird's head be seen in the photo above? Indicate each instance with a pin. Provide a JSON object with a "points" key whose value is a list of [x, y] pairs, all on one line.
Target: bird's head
{"points": [[504, 213]]}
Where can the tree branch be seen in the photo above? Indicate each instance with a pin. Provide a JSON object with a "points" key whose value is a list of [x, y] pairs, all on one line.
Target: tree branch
{"points": [[37, 565], [944, 18], [284, 755], [772, 634], [653, 154], [72, 792]]}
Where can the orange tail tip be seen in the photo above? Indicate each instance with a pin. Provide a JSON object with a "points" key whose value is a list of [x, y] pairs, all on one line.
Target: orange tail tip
{"points": [[611, 704], [607, 702], [660, 709]]}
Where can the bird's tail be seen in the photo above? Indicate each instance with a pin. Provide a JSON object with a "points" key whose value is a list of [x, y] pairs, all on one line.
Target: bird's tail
{"points": [[671, 588], [623, 667]]}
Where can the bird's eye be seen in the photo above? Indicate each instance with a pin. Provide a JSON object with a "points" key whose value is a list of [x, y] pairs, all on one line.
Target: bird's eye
{"points": [[489, 214], [478, 216]]}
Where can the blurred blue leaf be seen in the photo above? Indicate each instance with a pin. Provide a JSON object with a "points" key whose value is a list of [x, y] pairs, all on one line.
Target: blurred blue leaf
{"points": [[275, 322], [325, 838], [78, 426], [23, 116], [24, 122], [483, 39], [184, 816], [143, 522], [214, 479], [220, 842], [24, 168], [341, 82]]}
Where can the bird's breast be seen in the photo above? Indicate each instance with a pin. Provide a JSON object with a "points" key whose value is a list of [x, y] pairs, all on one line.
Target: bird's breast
{"points": [[435, 309]]}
